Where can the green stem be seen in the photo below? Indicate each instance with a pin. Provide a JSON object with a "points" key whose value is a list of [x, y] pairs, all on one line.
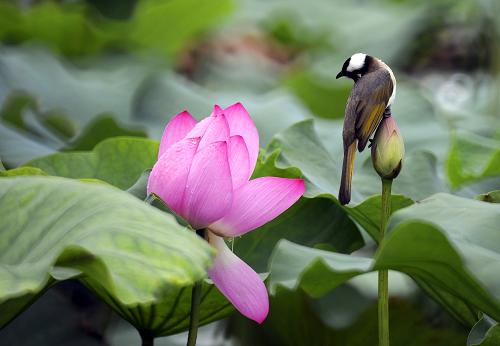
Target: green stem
{"points": [[383, 275], [195, 314], [386, 206], [147, 338], [150, 198], [195, 305]]}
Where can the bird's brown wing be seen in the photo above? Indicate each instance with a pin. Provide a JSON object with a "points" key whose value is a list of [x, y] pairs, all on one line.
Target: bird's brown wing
{"points": [[372, 93]]}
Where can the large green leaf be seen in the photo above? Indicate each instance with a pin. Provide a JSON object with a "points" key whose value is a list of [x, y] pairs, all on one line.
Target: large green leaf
{"points": [[443, 242], [124, 250], [17, 148], [118, 161], [472, 229], [22, 111], [300, 147], [471, 158], [100, 128]]}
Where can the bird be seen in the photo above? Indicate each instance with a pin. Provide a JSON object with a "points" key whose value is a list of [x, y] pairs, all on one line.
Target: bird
{"points": [[370, 100]]}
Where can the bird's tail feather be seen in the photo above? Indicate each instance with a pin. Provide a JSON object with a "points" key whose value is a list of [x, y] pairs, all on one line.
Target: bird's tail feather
{"points": [[347, 169]]}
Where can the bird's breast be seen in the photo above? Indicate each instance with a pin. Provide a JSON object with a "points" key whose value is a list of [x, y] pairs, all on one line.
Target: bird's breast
{"points": [[393, 95]]}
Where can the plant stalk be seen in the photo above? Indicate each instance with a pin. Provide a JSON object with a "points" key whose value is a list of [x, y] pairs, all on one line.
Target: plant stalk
{"points": [[150, 198], [195, 314], [147, 338], [195, 305], [383, 275]]}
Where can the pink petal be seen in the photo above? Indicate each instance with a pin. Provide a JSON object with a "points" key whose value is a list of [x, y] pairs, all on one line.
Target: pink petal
{"points": [[258, 202], [240, 123], [200, 128], [238, 161], [176, 129], [217, 130], [240, 284], [217, 110], [170, 173], [208, 193]]}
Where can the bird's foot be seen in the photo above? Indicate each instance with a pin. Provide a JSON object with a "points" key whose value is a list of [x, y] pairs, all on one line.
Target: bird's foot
{"points": [[387, 112]]}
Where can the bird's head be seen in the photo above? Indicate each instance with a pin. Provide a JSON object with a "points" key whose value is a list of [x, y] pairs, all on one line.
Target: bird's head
{"points": [[356, 66]]}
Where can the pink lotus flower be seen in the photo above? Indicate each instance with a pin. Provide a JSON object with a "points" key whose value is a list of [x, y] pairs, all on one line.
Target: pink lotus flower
{"points": [[203, 173]]}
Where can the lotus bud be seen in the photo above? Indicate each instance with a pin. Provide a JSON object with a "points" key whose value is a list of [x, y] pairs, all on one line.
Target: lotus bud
{"points": [[388, 149]]}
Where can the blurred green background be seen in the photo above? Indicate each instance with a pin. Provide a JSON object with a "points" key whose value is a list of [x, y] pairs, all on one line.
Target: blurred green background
{"points": [[73, 73]]}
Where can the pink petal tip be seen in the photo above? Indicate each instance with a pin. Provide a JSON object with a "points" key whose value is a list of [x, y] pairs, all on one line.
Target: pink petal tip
{"points": [[176, 129], [239, 283]]}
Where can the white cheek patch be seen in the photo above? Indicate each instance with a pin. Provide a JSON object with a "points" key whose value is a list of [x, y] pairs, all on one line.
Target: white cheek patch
{"points": [[357, 61]]}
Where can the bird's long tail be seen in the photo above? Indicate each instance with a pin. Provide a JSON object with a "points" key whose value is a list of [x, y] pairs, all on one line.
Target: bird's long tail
{"points": [[347, 169]]}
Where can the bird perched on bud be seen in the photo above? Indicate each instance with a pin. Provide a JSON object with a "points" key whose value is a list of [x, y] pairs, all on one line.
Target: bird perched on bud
{"points": [[370, 100]]}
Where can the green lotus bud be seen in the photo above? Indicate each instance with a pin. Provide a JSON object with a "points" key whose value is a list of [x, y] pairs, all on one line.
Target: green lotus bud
{"points": [[388, 149]]}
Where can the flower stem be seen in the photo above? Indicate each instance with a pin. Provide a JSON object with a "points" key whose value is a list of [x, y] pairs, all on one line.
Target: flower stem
{"points": [[147, 338], [383, 275], [195, 305], [150, 198], [195, 311]]}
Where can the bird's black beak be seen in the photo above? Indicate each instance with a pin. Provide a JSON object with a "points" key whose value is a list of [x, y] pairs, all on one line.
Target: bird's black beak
{"points": [[340, 74]]}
